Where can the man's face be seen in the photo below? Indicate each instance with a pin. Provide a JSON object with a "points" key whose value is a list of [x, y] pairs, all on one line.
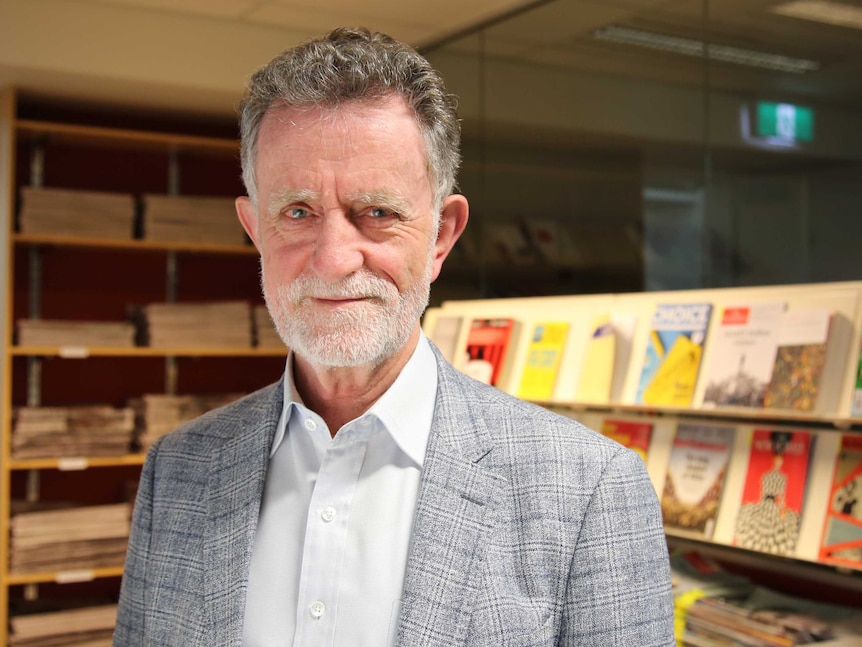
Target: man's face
{"points": [[345, 227]]}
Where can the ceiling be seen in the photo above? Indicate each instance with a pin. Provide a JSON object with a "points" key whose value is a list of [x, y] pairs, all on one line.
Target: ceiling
{"points": [[561, 34], [197, 54]]}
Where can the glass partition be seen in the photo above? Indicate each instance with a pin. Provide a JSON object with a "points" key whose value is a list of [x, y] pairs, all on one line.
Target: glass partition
{"points": [[657, 144]]}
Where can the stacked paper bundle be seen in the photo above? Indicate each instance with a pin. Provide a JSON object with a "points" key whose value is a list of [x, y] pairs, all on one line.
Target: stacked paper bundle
{"points": [[57, 432], [157, 414], [192, 219], [225, 324], [43, 332], [92, 214], [75, 627], [266, 336], [51, 537]]}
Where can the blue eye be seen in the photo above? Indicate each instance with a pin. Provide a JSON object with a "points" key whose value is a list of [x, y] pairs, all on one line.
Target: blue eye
{"points": [[297, 213], [381, 212]]}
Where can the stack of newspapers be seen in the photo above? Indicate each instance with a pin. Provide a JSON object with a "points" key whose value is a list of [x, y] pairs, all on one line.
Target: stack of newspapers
{"points": [[43, 332], [79, 626], [41, 432], [157, 414], [192, 219], [89, 214], [266, 335], [58, 537], [225, 324]]}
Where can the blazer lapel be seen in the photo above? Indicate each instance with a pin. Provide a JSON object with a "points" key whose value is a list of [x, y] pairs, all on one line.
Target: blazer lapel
{"points": [[457, 507], [236, 485]]}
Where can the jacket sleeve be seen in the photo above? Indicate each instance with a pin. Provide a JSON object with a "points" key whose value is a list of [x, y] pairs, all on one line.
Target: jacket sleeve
{"points": [[619, 590], [131, 614]]}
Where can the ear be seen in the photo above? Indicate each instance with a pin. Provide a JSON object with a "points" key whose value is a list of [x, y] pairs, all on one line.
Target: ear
{"points": [[453, 219], [247, 213]]}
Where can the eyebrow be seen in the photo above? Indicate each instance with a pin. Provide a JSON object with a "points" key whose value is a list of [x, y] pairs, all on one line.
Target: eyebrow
{"points": [[289, 196], [382, 197]]}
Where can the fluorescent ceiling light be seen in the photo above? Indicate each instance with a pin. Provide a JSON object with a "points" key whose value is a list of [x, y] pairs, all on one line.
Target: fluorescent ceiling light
{"points": [[696, 48], [833, 13]]}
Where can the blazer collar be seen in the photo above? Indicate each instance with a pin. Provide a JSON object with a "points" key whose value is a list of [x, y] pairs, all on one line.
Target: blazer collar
{"points": [[237, 477]]}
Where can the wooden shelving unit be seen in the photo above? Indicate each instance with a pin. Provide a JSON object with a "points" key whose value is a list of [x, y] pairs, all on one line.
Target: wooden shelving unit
{"points": [[41, 273]]}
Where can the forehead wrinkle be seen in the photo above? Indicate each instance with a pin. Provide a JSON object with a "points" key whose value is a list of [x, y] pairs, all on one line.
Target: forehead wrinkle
{"points": [[289, 196]]}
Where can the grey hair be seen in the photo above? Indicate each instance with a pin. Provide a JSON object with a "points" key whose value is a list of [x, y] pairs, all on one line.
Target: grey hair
{"points": [[356, 65]]}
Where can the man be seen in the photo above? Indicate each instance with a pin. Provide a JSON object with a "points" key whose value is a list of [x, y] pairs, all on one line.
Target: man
{"points": [[375, 495]]}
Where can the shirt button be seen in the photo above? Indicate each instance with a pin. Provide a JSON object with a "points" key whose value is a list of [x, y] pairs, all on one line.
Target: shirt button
{"points": [[328, 513], [317, 609], [310, 424]]}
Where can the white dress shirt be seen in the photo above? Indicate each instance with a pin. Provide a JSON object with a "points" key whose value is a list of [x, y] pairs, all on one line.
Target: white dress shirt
{"points": [[329, 555]]}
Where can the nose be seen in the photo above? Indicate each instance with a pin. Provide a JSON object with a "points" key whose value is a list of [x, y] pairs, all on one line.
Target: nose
{"points": [[338, 247]]}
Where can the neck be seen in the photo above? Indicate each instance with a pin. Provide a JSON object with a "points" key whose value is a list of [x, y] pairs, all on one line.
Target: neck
{"points": [[341, 394]]}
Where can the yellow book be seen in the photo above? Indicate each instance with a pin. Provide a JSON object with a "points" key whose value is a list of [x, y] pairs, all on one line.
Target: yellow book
{"points": [[544, 356], [597, 370], [673, 354], [674, 382]]}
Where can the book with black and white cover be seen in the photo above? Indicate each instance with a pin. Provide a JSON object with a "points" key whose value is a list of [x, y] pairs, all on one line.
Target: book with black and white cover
{"points": [[742, 355]]}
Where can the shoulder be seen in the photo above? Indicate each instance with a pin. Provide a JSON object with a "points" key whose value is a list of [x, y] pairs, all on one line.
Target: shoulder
{"points": [[528, 435], [210, 430]]}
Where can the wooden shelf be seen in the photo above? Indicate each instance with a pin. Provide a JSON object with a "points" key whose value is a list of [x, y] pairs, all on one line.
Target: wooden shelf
{"points": [[82, 352], [121, 138], [77, 463], [137, 245], [737, 414], [64, 577]]}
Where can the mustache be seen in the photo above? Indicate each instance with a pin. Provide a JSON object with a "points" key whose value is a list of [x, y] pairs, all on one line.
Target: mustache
{"points": [[361, 285]]}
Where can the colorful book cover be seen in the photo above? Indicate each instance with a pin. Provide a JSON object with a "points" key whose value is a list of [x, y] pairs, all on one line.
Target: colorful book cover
{"points": [[842, 533], [769, 516], [799, 362], [696, 471], [629, 433], [674, 351], [544, 356], [488, 345], [742, 354], [597, 370]]}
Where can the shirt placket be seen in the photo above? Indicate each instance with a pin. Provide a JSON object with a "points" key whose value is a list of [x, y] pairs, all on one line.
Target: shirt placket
{"points": [[326, 535]]}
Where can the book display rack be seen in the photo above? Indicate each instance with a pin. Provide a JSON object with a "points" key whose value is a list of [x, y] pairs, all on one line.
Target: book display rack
{"points": [[745, 403], [82, 276]]}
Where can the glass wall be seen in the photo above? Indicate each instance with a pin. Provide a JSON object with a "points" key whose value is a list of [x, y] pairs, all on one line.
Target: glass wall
{"points": [[658, 144]]}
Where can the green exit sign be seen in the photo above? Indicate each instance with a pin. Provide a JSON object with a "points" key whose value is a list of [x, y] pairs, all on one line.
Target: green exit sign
{"points": [[785, 121]]}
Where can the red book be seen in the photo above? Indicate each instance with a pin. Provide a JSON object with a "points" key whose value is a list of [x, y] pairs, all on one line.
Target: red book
{"points": [[768, 519], [842, 532]]}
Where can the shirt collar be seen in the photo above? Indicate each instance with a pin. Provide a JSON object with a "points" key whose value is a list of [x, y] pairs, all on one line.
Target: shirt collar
{"points": [[406, 409]]}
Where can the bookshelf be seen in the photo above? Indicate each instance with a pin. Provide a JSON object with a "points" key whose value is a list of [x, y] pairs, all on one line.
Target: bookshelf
{"points": [[832, 416], [69, 277]]}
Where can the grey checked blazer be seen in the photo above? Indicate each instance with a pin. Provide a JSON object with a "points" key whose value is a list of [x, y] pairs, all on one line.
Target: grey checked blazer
{"points": [[530, 530]]}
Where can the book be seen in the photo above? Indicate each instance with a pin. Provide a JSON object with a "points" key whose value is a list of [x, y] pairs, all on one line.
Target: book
{"points": [[488, 356], [842, 532], [695, 478], [769, 516], [742, 355], [857, 389], [633, 434], [597, 369], [673, 354], [802, 340], [544, 356], [445, 335]]}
